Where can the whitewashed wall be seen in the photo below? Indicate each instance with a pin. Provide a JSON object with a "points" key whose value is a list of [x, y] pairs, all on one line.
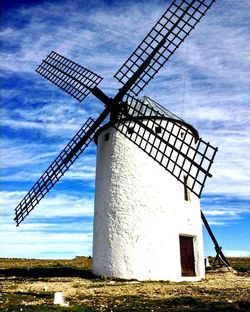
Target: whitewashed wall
{"points": [[140, 211]]}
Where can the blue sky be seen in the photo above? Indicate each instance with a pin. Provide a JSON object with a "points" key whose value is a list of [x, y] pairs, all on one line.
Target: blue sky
{"points": [[206, 83]]}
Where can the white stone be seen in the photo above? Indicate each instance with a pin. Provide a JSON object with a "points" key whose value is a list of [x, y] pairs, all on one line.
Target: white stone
{"points": [[207, 263], [140, 212], [58, 298]]}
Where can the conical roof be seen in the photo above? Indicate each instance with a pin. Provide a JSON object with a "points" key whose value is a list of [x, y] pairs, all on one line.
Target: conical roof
{"points": [[147, 108], [157, 107]]}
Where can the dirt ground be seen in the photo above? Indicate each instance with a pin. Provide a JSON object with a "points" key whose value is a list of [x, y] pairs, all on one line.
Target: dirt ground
{"points": [[30, 286]]}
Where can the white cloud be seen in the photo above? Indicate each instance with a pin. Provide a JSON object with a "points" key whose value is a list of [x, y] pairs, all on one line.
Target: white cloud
{"points": [[59, 205]]}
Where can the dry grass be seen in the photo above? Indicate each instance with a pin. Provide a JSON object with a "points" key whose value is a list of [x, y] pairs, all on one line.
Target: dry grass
{"points": [[78, 262], [33, 289]]}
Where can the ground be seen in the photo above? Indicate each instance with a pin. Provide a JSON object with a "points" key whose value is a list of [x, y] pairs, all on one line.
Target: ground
{"points": [[29, 285]]}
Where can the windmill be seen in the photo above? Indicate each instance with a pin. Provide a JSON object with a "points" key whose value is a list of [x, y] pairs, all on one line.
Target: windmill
{"points": [[169, 141]]}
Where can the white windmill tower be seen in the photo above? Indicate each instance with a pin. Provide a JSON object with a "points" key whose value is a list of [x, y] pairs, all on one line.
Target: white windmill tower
{"points": [[147, 223]]}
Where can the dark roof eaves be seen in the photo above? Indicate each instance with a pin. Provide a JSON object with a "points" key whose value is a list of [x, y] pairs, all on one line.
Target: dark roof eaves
{"points": [[110, 123]]}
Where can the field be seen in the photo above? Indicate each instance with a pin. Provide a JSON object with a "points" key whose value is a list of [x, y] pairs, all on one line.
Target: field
{"points": [[29, 285]]}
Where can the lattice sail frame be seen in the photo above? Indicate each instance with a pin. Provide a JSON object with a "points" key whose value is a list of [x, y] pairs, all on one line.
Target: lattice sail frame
{"points": [[162, 41], [54, 172], [74, 79], [172, 143]]}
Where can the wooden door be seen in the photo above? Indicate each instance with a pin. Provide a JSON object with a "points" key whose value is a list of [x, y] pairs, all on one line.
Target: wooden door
{"points": [[187, 256]]}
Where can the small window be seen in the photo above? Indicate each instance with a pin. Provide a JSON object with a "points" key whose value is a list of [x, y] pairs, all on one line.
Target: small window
{"points": [[158, 129], [130, 130], [106, 136]]}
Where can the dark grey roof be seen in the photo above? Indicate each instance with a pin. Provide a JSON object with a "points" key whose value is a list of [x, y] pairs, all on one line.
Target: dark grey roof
{"points": [[160, 108], [157, 108], [148, 108]]}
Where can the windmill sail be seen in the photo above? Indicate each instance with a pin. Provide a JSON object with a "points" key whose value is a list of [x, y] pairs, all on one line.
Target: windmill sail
{"points": [[59, 166], [74, 79], [160, 43], [171, 142]]}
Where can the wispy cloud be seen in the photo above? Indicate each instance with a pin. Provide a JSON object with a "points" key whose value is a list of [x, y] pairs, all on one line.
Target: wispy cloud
{"points": [[54, 205]]}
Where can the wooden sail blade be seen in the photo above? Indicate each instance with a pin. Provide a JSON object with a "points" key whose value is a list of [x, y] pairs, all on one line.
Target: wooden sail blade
{"points": [[74, 79], [59, 166], [172, 143], [161, 42]]}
